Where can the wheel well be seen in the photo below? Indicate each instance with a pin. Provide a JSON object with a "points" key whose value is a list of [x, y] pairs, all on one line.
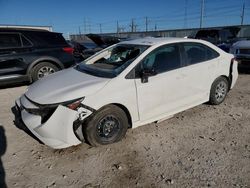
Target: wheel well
{"points": [[126, 111], [49, 61]]}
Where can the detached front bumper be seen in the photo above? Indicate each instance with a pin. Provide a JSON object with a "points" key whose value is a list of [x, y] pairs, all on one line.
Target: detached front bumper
{"points": [[57, 131]]}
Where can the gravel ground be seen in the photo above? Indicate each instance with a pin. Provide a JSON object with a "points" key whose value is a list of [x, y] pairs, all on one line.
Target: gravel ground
{"points": [[207, 146]]}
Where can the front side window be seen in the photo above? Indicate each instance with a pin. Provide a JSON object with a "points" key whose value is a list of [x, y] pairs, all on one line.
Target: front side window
{"points": [[163, 59], [111, 61], [196, 53], [10, 40]]}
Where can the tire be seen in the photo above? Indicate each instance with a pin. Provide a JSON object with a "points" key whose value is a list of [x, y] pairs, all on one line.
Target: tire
{"points": [[219, 90], [43, 69], [98, 129]]}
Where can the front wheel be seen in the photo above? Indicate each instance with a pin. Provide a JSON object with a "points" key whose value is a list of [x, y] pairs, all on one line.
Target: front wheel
{"points": [[107, 126], [219, 91]]}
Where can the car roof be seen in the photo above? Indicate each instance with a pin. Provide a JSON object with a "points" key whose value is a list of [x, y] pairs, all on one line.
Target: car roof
{"points": [[242, 44], [20, 30], [151, 41]]}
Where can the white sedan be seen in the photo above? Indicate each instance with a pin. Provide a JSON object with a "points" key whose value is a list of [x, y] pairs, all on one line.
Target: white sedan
{"points": [[125, 86]]}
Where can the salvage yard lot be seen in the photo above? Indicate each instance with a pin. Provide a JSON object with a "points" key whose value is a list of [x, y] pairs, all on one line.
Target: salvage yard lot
{"points": [[201, 147]]}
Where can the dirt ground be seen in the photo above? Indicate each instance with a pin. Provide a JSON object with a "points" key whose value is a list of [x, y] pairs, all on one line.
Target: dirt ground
{"points": [[207, 146]]}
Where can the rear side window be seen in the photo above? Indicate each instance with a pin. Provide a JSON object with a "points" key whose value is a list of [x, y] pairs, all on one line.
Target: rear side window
{"points": [[10, 40], [196, 53]]}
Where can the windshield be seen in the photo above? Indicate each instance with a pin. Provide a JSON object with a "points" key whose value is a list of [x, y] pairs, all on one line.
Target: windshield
{"points": [[112, 61]]}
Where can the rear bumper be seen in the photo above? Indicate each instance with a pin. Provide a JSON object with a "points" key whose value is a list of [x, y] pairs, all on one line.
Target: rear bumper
{"points": [[57, 132]]}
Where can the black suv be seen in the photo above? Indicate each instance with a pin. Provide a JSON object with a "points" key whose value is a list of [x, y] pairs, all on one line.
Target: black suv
{"points": [[28, 55]]}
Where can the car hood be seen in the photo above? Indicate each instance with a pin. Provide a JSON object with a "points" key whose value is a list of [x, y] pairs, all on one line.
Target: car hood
{"points": [[63, 86]]}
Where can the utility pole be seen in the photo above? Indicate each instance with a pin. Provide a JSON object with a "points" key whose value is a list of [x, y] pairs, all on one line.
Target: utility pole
{"points": [[100, 28], [202, 13], [80, 35], [155, 27], [79, 29], [146, 24], [117, 27], [242, 13], [69, 36], [84, 25], [185, 16], [132, 25], [89, 25]]}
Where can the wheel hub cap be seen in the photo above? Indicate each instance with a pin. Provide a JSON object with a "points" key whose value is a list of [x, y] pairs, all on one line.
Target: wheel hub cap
{"points": [[45, 71], [221, 91], [108, 127]]}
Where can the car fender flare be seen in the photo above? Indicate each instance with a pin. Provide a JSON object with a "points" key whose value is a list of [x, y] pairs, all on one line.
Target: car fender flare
{"points": [[55, 61], [121, 106]]}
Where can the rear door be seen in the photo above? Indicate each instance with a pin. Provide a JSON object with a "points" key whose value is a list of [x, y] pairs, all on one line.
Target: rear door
{"points": [[201, 64], [12, 54]]}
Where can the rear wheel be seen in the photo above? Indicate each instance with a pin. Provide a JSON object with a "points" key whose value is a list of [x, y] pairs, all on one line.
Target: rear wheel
{"points": [[107, 126], [43, 69], [219, 91]]}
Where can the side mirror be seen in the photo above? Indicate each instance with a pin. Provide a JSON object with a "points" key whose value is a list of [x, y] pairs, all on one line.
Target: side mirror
{"points": [[145, 73]]}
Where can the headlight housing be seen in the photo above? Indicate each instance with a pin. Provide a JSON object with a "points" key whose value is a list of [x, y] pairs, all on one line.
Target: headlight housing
{"points": [[46, 110]]}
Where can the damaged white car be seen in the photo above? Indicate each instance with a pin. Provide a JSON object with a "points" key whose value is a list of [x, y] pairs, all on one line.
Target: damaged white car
{"points": [[125, 86]]}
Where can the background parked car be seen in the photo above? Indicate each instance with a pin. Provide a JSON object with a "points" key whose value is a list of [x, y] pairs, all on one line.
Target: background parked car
{"points": [[28, 55], [223, 38], [83, 50], [241, 51]]}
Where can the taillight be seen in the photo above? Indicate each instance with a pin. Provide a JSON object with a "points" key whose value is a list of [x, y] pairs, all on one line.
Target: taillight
{"points": [[68, 50]]}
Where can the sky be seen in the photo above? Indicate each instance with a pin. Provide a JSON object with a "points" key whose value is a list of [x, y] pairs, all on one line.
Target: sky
{"points": [[96, 16]]}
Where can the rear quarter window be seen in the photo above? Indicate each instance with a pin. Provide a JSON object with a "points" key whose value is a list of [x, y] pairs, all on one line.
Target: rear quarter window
{"points": [[52, 39], [197, 53], [47, 39], [26, 42]]}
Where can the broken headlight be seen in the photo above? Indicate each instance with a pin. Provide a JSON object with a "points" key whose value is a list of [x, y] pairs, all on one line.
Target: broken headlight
{"points": [[74, 104], [46, 110]]}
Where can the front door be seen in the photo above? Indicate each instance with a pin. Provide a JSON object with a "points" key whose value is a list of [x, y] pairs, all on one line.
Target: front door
{"points": [[165, 91]]}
